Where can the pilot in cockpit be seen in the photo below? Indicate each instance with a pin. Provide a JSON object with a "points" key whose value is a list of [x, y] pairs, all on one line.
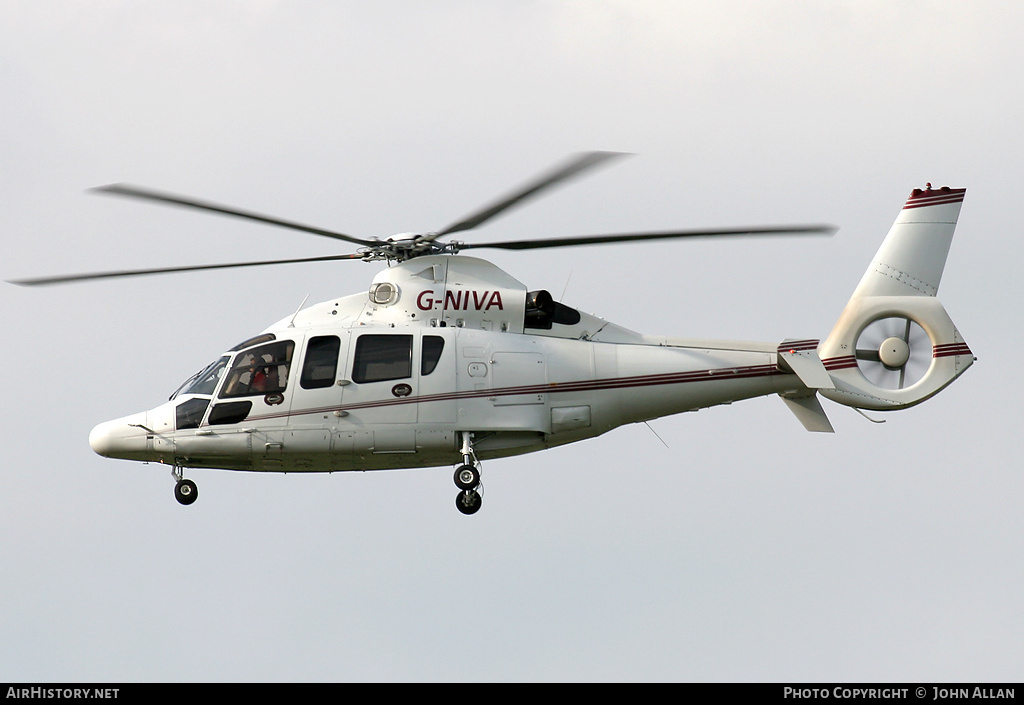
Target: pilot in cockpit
{"points": [[257, 375]]}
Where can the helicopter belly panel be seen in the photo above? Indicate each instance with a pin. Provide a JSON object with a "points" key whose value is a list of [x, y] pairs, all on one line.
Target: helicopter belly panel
{"points": [[230, 449], [307, 440], [394, 440], [570, 418]]}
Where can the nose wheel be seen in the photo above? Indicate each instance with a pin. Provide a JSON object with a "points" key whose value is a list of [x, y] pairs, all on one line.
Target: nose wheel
{"points": [[467, 478], [185, 491]]}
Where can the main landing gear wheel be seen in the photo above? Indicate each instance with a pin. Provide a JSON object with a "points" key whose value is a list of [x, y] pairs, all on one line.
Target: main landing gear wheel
{"points": [[467, 477], [468, 501], [186, 492]]}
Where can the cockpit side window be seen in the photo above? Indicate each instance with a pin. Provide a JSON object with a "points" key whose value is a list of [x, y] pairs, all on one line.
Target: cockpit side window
{"points": [[260, 370], [321, 363], [382, 357]]}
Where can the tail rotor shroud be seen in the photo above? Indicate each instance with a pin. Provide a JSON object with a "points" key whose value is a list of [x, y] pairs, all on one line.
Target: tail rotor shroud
{"points": [[894, 352]]}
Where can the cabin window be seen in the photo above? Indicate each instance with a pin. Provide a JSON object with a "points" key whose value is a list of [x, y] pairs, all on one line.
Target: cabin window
{"points": [[261, 370], [321, 363], [382, 357], [433, 345]]}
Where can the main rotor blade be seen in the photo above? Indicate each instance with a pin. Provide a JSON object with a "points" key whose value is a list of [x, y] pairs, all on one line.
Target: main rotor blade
{"points": [[148, 195], [633, 237], [574, 166], [164, 270]]}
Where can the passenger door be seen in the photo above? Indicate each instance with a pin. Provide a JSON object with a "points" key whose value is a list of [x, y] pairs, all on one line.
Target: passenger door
{"points": [[316, 397], [318, 393], [378, 395]]}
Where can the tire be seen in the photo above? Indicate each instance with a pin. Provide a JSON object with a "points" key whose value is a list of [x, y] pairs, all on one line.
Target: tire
{"points": [[468, 502], [186, 492], [467, 477]]}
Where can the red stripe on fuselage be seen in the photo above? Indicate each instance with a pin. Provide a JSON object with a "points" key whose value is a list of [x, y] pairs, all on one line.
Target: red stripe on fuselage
{"points": [[710, 375]]}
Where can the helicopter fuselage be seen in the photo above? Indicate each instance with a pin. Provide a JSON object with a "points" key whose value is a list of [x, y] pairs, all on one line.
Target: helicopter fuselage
{"points": [[439, 347]]}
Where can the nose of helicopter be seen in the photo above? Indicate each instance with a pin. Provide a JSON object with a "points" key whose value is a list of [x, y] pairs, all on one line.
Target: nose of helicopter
{"points": [[121, 438]]}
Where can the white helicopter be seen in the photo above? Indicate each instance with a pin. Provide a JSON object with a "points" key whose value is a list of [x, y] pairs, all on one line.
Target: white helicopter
{"points": [[448, 360]]}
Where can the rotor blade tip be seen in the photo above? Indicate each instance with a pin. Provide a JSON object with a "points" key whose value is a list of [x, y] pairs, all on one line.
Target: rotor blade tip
{"points": [[106, 188]]}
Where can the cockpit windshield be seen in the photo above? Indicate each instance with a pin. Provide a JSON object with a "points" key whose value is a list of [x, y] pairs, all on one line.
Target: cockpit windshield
{"points": [[205, 381]]}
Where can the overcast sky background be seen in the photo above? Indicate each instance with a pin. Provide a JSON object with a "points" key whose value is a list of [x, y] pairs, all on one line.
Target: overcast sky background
{"points": [[746, 550]]}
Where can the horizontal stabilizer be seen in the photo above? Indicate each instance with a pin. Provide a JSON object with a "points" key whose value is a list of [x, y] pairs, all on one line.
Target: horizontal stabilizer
{"points": [[808, 411]]}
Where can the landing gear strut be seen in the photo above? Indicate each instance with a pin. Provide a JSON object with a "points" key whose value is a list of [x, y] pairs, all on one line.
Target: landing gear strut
{"points": [[467, 478], [185, 491]]}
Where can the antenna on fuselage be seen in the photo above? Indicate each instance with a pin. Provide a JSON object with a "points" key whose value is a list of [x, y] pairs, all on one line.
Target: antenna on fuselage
{"points": [[291, 323]]}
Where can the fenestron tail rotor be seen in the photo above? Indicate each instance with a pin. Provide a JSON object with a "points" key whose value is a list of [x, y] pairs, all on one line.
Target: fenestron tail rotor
{"points": [[894, 352], [416, 245]]}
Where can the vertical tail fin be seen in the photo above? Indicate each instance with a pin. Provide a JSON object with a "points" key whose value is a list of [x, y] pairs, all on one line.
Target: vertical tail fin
{"points": [[913, 254], [894, 344]]}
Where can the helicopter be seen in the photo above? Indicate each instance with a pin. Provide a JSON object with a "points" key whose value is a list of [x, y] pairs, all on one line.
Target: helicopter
{"points": [[448, 360]]}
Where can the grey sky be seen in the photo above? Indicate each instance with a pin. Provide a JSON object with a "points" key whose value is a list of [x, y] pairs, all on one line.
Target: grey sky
{"points": [[748, 550]]}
